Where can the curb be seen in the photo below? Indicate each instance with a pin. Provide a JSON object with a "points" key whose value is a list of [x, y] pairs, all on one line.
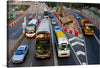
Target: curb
{"points": [[18, 42]]}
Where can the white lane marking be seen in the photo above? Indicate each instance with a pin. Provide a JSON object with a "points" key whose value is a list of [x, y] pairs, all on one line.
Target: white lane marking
{"points": [[76, 55], [97, 39], [85, 52], [10, 60], [80, 53], [76, 38], [55, 57], [14, 34], [84, 63], [75, 43], [30, 64]]}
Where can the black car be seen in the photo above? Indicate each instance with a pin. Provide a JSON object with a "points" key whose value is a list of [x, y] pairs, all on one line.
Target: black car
{"points": [[51, 16]]}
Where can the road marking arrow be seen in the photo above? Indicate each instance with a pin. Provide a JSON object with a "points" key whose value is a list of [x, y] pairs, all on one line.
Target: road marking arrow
{"points": [[84, 63], [80, 53], [75, 43], [76, 38]]}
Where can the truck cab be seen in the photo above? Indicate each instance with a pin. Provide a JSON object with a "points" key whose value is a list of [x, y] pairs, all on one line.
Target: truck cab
{"points": [[87, 27]]}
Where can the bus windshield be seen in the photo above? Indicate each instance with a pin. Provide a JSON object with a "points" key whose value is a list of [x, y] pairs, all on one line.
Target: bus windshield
{"points": [[30, 28], [63, 47], [42, 49], [46, 13], [89, 27]]}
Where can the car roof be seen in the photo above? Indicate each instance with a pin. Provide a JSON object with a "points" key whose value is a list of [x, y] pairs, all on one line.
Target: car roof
{"points": [[22, 47], [57, 27], [53, 19]]}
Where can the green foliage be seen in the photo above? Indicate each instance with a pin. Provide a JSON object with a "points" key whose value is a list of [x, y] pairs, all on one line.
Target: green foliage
{"points": [[51, 4], [22, 7]]}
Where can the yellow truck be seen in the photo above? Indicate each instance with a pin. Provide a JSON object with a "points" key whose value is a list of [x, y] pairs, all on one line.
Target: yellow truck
{"points": [[87, 27]]}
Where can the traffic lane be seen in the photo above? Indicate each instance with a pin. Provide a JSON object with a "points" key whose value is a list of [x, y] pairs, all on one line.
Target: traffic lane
{"points": [[96, 30], [16, 31], [18, 27], [63, 61], [28, 59], [92, 47], [44, 62]]}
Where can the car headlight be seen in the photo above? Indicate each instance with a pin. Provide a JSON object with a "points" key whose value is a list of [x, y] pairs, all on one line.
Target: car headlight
{"points": [[21, 60]]}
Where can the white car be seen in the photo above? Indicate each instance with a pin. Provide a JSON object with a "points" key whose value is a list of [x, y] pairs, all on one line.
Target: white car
{"points": [[78, 17], [57, 28], [53, 21], [20, 54]]}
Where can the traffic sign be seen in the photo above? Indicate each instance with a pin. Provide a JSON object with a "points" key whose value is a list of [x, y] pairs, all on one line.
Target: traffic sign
{"points": [[35, 8]]}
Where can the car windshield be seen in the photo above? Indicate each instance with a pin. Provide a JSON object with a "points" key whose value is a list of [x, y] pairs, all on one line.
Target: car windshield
{"points": [[89, 27], [19, 52], [53, 20], [30, 16], [63, 47]]}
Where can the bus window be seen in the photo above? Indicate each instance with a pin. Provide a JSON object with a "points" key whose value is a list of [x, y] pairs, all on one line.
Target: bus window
{"points": [[42, 49]]}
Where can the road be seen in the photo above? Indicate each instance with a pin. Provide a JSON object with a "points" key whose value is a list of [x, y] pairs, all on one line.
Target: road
{"points": [[30, 59], [15, 32], [62, 61], [92, 45]]}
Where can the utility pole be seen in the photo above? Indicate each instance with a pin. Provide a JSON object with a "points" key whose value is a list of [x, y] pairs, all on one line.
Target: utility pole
{"points": [[61, 9], [70, 5]]}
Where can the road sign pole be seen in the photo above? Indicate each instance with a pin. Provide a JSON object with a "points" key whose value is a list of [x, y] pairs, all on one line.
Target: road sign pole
{"points": [[25, 20]]}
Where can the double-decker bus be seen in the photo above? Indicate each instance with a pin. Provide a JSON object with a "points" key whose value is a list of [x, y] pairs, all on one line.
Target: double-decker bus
{"points": [[43, 40], [31, 28], [62, 44]]}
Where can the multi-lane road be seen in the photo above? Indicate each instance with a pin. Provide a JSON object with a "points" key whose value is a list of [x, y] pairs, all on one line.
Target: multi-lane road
{"points": [[85, 53]]}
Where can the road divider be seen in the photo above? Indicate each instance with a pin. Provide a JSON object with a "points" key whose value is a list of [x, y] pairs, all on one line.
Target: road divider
{"points": [[77, 33], [15, 22]]}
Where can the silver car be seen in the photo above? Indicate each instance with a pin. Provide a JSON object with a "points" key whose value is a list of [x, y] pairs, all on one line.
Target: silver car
{"points": [[57, 28], [20, 54], [53, 21]]}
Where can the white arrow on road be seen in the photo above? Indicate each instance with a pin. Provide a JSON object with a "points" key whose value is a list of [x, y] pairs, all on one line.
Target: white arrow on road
{"points": [[76, 38], [75, 43], [80, 53], [84, 63]]}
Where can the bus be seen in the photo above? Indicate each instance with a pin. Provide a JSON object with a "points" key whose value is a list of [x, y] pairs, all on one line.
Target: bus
{"points": [[45, 12], [62, 44], [43, 40], [31, 28]]}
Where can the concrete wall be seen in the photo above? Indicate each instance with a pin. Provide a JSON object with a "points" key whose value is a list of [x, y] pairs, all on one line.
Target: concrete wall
{"points": [[92, 15]]}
